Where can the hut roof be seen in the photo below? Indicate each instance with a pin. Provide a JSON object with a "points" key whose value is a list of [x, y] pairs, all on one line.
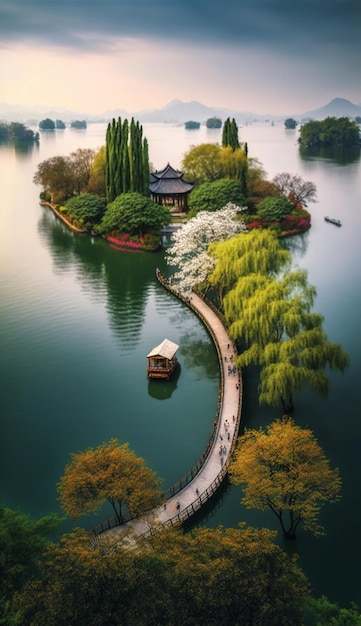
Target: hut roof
{"points": [[165, 349]]}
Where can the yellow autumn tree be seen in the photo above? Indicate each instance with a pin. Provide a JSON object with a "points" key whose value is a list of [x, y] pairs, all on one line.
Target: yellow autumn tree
{"points": [[111, 472], [283, 468]]}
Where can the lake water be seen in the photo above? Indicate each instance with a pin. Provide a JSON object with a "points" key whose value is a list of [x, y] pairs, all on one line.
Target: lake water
{"points": [[78, 317]]}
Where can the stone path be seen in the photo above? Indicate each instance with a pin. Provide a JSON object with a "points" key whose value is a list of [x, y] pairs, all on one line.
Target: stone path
{"points": [[188, 500]]}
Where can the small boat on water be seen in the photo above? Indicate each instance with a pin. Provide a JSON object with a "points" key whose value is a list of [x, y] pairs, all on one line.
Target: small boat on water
{"points": [[162, 360], [333, 220]]}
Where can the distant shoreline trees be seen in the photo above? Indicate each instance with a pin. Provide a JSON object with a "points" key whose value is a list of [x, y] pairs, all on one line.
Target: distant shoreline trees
{"points": [[17, 132], [331, 131]]}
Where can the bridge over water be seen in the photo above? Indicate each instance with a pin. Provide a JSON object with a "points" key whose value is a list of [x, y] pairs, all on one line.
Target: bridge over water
{"points": [[193, 490]]}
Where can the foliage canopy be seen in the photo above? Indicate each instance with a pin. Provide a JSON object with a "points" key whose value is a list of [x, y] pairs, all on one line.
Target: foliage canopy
{"points": [[111, 472], [189, 249], [332, 131], [211, 576], [133, 213], [212, 196], [283, 468]]}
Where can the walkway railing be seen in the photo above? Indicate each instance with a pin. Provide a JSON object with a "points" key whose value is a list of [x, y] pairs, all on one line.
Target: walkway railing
{"points": [[174, 489]]}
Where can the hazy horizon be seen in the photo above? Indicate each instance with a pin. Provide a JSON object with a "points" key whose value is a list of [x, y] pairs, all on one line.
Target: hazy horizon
{"points": [[246, 55]]}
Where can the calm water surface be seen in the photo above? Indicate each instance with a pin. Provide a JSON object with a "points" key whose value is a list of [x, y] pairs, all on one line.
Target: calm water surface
{"points": [[77, 319]]}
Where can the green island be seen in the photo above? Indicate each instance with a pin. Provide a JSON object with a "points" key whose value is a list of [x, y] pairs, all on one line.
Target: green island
{"points": [[231, 255], [109, 193]]}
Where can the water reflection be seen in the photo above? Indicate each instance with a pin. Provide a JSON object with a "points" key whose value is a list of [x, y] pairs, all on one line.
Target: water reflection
{"points": [[340, 156], [199, 355], [297, 244], [21, 148], [103, 272], [164, 389]]}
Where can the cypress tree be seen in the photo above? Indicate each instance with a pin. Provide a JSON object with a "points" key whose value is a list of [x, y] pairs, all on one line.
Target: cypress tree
{"points": [[126, 159], [145, 167]]}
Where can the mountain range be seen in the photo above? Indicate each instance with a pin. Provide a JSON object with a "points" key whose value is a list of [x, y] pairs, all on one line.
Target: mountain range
{"points": [[176, 112]]}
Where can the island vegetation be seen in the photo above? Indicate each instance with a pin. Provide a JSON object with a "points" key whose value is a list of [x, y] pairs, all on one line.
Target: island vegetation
{"points": [[85, 185], [214, 122], [79, 124], [192, 125], [290, 123], [332, 131], [17, 133]]}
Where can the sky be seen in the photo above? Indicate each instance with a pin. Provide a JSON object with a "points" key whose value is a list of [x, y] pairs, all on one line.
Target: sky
{"points": [[264, 56]]}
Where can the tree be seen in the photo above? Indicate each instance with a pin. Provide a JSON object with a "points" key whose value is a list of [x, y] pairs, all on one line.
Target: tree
{"points": [[192, 125], [283, 468], [82, 163], [203, 163], [79, 124], [332, 131], [85, 209], [17, 132], [210, 576], [111, 472], [126, 159], [235, 166], [272, 318], [290, 123], [326, 613], [134, 214], [274, 208], [295, 188], [47, 124], [59, 124], [56, 177], [189, 249], [96, 182], [213, 196], [22, 544], [230, 134], [214, 122], [256, 252], [63, 177]]}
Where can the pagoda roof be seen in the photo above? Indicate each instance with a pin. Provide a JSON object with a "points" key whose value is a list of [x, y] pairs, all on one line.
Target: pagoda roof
{"points": [[169, 181]]}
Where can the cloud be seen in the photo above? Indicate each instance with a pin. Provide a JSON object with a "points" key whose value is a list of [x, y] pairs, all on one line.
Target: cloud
{"points": [[297, 26], [247, 54]]}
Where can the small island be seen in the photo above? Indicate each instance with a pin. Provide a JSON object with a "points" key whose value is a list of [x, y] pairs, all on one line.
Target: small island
{"points": [[99, 193]]}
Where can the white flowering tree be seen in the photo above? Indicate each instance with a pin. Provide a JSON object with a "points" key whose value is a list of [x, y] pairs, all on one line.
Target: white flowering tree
{"points": [[189, 250]]}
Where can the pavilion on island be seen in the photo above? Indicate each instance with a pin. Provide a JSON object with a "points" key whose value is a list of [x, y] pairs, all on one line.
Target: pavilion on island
{"points": [[169, 188]]}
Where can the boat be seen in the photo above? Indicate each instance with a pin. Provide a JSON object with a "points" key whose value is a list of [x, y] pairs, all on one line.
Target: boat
{"points": [[162, 360], [333, 220]]}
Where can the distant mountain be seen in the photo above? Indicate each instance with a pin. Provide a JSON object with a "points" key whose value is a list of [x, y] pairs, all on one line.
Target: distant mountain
{"points": [[34, 114], [338, 107], [175, 112], [179, 112]]}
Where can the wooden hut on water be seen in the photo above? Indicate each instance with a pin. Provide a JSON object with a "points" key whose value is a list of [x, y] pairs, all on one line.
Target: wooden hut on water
{"points": [[162, 360]]}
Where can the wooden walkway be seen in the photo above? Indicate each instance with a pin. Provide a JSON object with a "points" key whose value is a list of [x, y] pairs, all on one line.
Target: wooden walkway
{"points": [[187, 496]]}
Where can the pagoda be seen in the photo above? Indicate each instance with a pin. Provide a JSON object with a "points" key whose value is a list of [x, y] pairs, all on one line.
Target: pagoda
{"points": [[169, 188]]}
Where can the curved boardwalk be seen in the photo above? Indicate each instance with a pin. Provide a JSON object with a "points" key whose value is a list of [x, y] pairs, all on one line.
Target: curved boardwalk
{"points": [[187, 496]]}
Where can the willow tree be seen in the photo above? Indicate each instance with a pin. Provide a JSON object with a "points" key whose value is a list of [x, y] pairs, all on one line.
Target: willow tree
{"points": [[273, 319], [111, 472], [257, 252], [283, 468]]}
